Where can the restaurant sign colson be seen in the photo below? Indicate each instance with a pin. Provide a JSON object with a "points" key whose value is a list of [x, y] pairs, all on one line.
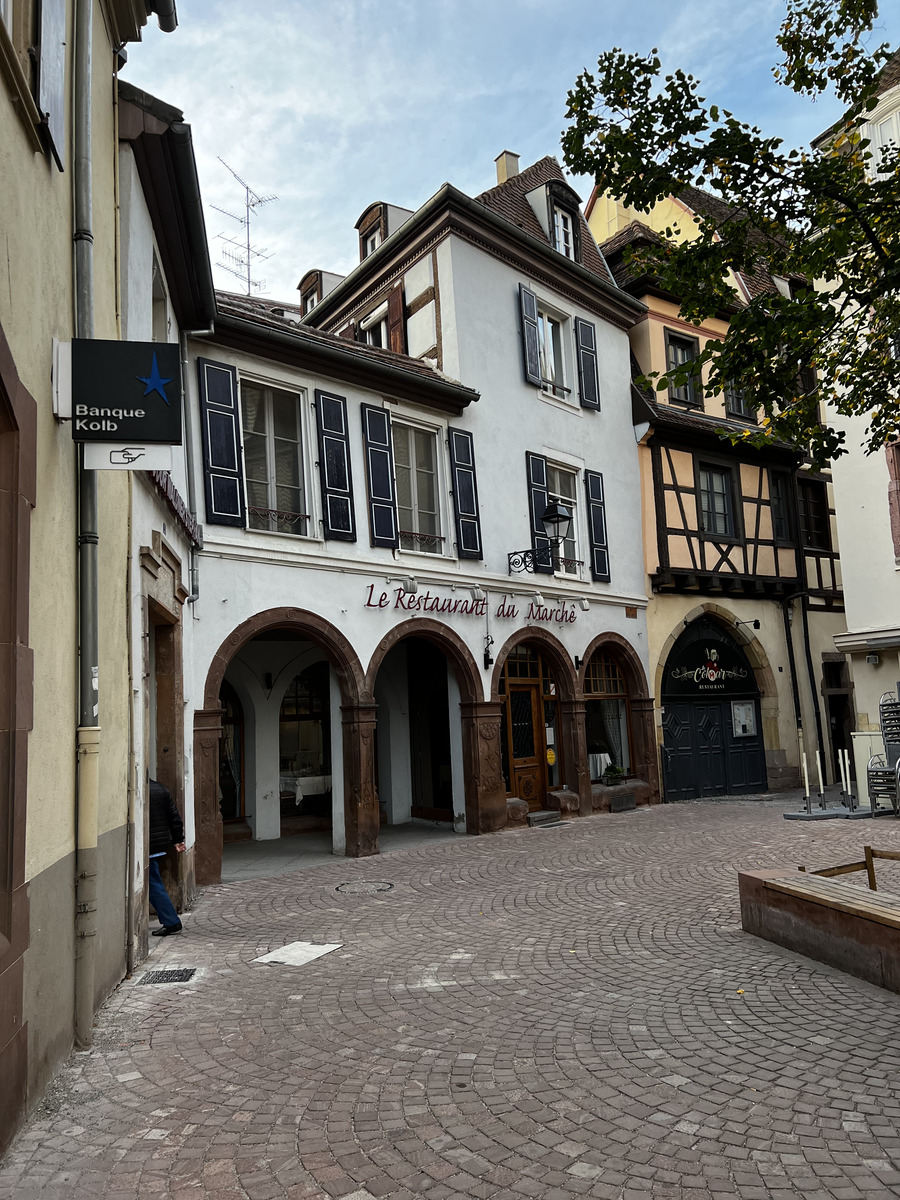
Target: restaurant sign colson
{"points": [[711, 675], [428, 602]]}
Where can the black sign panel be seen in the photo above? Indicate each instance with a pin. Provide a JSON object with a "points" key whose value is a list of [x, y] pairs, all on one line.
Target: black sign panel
{"points": [[706, 663], [126, 392]]}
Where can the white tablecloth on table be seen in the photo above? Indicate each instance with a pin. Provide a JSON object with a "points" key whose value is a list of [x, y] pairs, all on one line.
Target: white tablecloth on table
{"points": [[304, 785]]}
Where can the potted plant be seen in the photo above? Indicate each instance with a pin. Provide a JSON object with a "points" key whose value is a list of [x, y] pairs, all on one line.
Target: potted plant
{"points": [[613, 775]]}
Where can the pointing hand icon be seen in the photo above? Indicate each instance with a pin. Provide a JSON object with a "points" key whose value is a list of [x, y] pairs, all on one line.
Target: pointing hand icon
{"points": [[126, 456]]}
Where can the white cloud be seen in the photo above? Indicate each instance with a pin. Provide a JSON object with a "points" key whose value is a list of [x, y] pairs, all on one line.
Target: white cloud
{"points": [[333, 105]]}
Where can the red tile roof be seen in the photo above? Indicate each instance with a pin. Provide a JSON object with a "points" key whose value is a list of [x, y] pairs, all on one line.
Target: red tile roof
{"points": [[509, 200]]}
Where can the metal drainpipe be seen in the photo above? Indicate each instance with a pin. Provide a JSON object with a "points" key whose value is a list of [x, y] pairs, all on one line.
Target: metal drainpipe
{"points": [[189, 455], [792, 665], [817, 712], [88, 733]]}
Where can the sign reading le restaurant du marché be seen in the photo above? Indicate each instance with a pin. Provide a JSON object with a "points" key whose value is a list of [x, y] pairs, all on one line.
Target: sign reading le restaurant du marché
{"points": [[126, 392]]}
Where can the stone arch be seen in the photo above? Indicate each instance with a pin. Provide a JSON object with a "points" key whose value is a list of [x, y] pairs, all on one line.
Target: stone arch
{"points": [[764, 677], [745, 637], [573, 739], [482, 783], [641, 702], [552, 649], [458, 654], [338, 650], [358, 748]]}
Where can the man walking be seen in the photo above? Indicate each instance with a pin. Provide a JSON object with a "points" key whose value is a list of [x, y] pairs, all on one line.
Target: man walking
{"points": [[166, 829]]}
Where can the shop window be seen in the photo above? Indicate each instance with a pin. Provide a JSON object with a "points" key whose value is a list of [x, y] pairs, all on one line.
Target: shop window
{"points": [[273, 463], [679, 351], [812, 499], [607, 717], [304, 741], [716, 501]]}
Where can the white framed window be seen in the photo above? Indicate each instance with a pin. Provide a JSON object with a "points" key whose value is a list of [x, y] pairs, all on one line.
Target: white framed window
{"points": [[371, 242], [374, 327], [551, 343], [886, 135], [562, 487], [562, 232], [273, 459], [418, 490], [308, 301]]}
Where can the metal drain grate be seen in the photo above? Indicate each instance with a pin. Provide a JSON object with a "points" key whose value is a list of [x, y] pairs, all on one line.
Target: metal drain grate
{"points": [[363, 888], [180, 975]]}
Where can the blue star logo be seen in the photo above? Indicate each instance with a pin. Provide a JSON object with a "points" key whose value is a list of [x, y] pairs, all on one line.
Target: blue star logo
{"points": [[154, 381]]}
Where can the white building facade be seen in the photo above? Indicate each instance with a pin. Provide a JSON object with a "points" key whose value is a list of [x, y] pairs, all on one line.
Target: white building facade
{"points": [[367, 645]]}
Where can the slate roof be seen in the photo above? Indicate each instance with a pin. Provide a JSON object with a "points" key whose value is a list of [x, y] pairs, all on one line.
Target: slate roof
{"points": [[757, 282], [509, 200], [890, 75], [277, 314]]}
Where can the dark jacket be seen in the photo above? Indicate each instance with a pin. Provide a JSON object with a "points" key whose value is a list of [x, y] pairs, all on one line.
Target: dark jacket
{"points": [[166, 827]]}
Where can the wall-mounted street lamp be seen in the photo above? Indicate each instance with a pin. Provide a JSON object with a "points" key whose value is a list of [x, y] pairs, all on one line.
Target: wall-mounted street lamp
{"points": [[488, 657], [754, 623], [557, 522]]}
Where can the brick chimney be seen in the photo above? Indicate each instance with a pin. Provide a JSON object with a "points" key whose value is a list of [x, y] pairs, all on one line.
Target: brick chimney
{"points": [[507, 165]]}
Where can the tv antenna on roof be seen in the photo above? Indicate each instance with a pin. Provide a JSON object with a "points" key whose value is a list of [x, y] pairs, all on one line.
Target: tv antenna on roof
{"points": [[240, 258]]}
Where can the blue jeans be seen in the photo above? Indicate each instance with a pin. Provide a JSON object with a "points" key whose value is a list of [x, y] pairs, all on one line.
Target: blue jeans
{"points": [[159, 897]]}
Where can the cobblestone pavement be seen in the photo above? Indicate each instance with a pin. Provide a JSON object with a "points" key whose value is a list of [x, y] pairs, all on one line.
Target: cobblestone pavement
{"points": [[546, 1013]]}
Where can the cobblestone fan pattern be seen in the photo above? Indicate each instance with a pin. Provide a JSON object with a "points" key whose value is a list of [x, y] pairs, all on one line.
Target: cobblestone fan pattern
{"points": [[546, 1013]]}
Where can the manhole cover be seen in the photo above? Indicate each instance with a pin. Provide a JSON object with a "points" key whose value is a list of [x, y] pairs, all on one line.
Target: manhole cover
{"points": [[363, 888], [180, 975]]}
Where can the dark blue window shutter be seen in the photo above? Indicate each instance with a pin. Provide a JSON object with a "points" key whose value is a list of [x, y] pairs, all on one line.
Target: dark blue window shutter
{"points": [[530, 340], [588, 381], [596, 511], [335, 476], [538, 499], [220, 416], [465, 494], [380, 476]]}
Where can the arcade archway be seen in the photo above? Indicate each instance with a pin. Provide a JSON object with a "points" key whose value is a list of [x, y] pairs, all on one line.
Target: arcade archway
{"points": [[712, 721]]}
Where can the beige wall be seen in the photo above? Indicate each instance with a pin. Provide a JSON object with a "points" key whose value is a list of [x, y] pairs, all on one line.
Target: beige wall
{"points": [[36, 305]]}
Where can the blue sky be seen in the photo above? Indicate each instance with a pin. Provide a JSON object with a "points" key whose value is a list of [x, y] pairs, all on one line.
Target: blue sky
{"points": [[333, 104]]}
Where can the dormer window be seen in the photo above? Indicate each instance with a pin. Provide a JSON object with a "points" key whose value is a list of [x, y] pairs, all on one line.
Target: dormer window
{"points": [[371, 242], [374, 328], [562, 232], [558, 210], [308, 301]]}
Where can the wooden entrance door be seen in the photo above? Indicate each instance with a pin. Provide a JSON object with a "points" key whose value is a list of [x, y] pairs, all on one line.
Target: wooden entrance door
{"points": [[527, 751]]}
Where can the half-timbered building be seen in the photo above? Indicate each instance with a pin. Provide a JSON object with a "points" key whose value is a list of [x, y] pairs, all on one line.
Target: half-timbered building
{"points": [[740, 551]]}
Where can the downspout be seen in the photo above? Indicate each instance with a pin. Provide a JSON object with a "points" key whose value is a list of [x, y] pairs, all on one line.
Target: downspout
{"points": [[792, 665], [88, 732], [817, 713], [189, 454]]}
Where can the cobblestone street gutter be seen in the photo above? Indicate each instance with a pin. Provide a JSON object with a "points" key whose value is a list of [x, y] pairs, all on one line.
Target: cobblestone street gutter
{"points": [[547, 1013]]}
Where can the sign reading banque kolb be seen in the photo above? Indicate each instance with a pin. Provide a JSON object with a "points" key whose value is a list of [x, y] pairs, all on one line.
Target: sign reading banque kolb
{"points": [[126, 392]]}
